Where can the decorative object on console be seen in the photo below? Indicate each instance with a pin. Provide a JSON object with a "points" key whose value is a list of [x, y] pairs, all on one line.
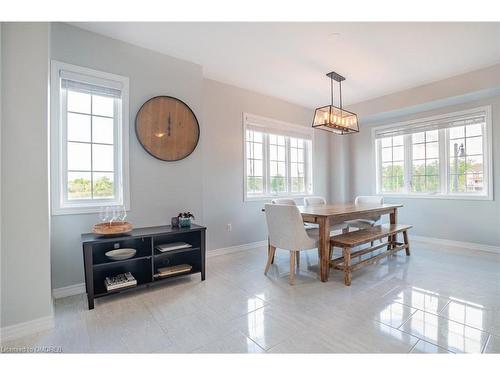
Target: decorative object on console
{"points": [[123, 280], [173, 270], [110, 229], [335, 119], [185, 219], [174, 222], [172, 246], [167, 128], [112, 221], [121, 254]]}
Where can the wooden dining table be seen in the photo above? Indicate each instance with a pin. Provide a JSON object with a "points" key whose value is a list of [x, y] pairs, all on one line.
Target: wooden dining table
{"points": [[330, 214]]}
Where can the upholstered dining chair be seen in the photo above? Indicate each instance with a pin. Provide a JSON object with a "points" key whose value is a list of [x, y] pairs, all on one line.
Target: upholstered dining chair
{"points": [[287, 232], [314, 201], [318, 201], [291, 202], [366, 223], [287, 201]]}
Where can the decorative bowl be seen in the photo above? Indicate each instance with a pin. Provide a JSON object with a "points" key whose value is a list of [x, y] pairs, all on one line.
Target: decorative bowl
{"points": [[114, 228], [121, 254]]}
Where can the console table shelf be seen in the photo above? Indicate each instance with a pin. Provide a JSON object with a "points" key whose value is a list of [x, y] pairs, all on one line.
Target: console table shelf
{"points": [[144, 265]]}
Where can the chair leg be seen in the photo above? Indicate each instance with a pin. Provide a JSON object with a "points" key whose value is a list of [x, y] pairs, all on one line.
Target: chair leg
{"points": [[269, 249], [347, 265], [270, 257], [345, 230], [407, 243], [292, 268], [297, 256]]}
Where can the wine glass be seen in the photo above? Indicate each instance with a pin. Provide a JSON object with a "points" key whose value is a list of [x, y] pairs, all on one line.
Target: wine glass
{"points": [[105, 214], [121, 213], [114, 213]]}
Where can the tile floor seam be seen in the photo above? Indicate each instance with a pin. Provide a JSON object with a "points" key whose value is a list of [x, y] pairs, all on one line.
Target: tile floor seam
{"points": [[465, 324], [444, 307], [489, 334], [439, 346], [255, 342], [486, 343], [451, 320], [414, 346]]}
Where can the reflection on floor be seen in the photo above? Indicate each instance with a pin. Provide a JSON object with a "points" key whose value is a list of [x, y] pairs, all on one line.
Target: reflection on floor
{"points": [[439, 300]]}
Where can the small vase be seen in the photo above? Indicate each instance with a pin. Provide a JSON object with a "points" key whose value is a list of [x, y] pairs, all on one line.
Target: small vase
{"points": [[184, 222], [174, 222]]}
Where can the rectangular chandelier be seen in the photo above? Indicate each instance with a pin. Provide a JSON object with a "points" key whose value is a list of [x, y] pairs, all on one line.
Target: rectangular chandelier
{"points": [[335, 119]]}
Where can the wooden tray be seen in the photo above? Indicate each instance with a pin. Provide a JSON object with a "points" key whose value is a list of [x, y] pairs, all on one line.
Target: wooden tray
{"points": [[112, 229]]}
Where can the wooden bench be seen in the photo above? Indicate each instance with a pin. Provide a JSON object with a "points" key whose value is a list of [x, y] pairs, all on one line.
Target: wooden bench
{"points": [[347, 241]]}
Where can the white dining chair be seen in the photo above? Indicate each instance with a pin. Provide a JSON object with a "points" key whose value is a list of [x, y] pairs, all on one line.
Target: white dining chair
{"points": [[287, 201], [291, 202], [287, 232], [318, 201], [314, 201], [366, 223]]}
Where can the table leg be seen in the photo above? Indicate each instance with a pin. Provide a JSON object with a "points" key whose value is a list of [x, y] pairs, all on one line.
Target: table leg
{"points": [[324, 247], [393, 217], [346, 252]]}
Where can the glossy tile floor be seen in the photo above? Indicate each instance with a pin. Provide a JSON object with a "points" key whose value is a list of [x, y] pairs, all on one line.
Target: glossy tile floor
{"points": [[436, 301]]}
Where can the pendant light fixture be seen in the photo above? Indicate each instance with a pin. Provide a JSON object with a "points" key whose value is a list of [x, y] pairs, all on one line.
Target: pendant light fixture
{"points": [[335, 119]]}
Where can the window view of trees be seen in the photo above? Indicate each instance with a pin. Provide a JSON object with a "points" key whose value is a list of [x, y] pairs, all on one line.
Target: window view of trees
{"points": [[425, 162], [412, 163], [255, 155], [466, 159], [392, 164], [277, 164], [80, 188], [90, 145]]}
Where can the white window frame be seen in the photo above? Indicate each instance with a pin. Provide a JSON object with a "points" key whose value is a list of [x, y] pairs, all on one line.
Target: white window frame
{"points": [[443, 159], [282, 128], [60, 205]]}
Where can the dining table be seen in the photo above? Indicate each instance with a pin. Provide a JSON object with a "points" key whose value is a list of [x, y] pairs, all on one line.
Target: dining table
{"points": [[330, 214]]}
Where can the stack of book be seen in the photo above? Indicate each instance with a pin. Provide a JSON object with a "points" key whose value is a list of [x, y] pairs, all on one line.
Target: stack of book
{"points": [[123, 280], [172, 246], [173, 270]]}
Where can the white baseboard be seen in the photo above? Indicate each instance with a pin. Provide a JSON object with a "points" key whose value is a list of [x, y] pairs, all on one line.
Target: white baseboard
{"points": [[460, 244], [70, 290], [16, 331], [235, 249]]}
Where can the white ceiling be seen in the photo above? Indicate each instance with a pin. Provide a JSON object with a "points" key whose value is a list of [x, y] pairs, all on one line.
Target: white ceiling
{"points": [[290, 60]]}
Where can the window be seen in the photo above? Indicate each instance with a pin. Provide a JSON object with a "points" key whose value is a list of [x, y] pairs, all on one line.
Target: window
{"points": [[89, 142], [444, 156], [278, 158]]}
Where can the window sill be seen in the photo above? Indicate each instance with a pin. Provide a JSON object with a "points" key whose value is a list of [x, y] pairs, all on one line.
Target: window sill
{"points": [[438, 196], [268, 198], [81, 210]]}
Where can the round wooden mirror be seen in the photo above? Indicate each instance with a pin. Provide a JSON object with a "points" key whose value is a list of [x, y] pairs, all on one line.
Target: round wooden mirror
{"points": [[167, 128]]}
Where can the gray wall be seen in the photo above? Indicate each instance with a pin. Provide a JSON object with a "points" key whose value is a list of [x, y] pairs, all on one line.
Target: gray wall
{"points": [[209, 182], [158, 189], [223, 106], [459, 220], [25, 242]]}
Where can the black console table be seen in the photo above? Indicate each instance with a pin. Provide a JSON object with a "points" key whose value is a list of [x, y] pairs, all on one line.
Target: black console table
{"points": [[145, 263]]}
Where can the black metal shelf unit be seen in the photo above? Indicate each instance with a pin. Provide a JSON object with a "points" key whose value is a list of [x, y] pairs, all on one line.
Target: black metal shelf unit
{"points": [[144, 265]]}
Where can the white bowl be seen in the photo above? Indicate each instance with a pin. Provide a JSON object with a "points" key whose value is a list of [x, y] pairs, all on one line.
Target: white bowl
{"points": [[121, 254]]}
